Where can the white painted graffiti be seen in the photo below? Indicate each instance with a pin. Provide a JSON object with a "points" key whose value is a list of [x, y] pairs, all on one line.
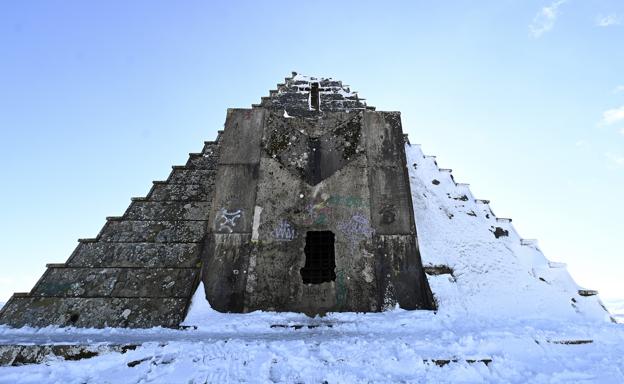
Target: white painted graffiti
{"points": [[284, 231], [226, 220], [356, 228]]}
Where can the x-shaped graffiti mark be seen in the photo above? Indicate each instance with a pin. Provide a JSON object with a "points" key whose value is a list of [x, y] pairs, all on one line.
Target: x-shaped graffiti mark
{"points": [[229, 219]]}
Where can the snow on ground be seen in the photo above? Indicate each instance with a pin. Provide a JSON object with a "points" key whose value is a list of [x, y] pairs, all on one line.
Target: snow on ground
{"points": [[394, 346], [504, 301]]}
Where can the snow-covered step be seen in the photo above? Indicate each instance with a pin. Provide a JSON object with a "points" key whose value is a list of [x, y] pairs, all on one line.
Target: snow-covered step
{"points": [[587, 292], [528, 242], [557, 264], [435, 270]]}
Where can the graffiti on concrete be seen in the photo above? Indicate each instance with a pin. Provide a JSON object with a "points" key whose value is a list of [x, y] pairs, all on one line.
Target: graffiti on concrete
{"points": [[345, 201], [356, 228], [226, 220], [284, 231], [319, 210], [341, 289]]}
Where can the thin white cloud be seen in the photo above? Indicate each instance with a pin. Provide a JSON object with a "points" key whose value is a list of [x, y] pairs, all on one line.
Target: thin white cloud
{"points": [[607, 21], [545, 19], [613, 116], [617, 160], [618, 89]]}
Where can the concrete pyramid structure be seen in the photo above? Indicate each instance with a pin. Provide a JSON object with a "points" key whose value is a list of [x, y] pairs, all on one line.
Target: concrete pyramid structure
{"points": [[310, 201]]}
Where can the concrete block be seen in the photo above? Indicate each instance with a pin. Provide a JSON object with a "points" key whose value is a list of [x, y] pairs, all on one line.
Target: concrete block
{"points": [[168, 210], [94, 312], [100, 254], [153, 231], [117, 282], [191, 176], [242, 134], [182, 192], [235, 194]]}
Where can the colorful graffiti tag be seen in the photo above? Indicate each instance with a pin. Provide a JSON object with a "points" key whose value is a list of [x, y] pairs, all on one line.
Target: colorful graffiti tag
{"points": [[319, 209]]}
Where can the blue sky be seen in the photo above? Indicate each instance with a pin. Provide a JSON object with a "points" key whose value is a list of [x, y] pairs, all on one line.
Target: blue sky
{"points": [[523, 99]]}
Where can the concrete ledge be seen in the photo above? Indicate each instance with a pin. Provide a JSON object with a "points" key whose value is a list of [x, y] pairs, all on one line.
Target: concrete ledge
{"points": [[16, 355], [80, 312], [56, 265], [435, 270], [587, 292]]}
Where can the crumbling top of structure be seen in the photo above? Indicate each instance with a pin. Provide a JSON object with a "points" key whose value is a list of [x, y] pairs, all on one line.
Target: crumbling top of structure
{"points": [[305, 96]]}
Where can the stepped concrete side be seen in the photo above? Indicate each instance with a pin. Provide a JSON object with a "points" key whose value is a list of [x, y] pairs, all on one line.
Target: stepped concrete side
{"points": [[99, 312], [116, 282], [16, 355], [191, 176], [131, 231], [143, 267], [180, 192], [167, 210], [148, 255]]}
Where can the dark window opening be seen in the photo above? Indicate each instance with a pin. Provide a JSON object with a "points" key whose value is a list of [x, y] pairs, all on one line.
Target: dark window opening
{"points": [[320, 255], [315, 99], [73, 318]]}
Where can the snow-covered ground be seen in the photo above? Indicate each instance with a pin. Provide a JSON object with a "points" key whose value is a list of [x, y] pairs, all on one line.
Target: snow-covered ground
{"points": [[504, 302], [395, 346]]}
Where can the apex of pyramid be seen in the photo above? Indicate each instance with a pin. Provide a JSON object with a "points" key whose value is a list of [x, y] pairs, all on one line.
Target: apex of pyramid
{"points": [[307, 96]]}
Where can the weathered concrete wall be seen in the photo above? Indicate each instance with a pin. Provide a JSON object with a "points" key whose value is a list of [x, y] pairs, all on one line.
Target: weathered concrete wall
{"points": [[338, 204], [97, 312], [228, 246], [147, 255], [342, 172], [240, 210], [16, 355], [400, 275], [116, 282]]}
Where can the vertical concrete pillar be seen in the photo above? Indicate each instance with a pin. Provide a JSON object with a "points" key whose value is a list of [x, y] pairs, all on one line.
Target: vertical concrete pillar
{"points": [[226, 257], [399, 273]]}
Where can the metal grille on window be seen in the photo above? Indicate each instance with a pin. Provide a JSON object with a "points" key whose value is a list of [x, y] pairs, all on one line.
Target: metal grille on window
{"points": [[320, 261]]}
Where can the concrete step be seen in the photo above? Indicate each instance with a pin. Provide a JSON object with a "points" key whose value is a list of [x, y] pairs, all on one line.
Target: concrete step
{"points": [[529, 242], [201, 161], [161, 231], [116, 282], [180, 192], [100, 312], [139, 254], [17, 354], [167, 210], [587, 292], [191, 176]]}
